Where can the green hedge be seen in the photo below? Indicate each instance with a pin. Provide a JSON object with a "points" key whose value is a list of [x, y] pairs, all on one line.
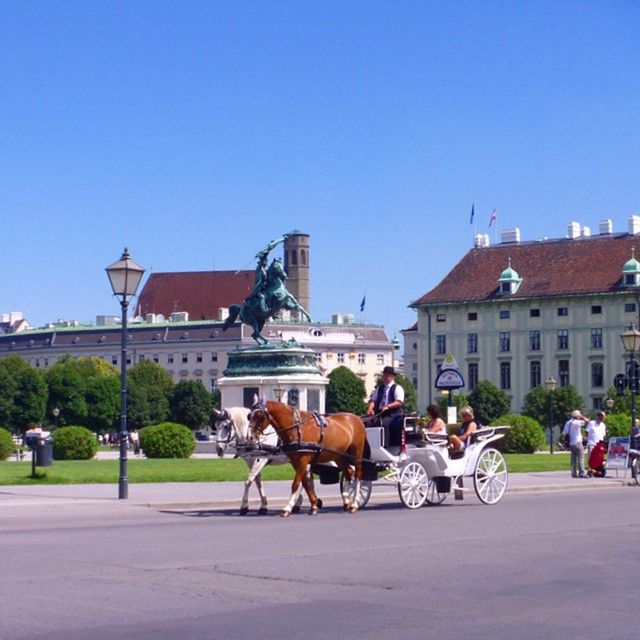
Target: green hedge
{"points": [[167, 440], [7, 445], [525, 436], [74, 443]]}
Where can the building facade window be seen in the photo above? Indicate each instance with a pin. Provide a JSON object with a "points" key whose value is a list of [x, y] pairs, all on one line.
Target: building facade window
{"points": [[597, 374], [505, 375], [169, 358], [340, 357], [472, 376], [441, 344], [535, 374], [156, 358], [596, 338], [563, 338], [563, 372], [630, 307], [441, 317], [185, 357], [505, 314], [114, 359], [505, 341], [534, 341], [596, 309], [534, 313], [361, 358], [472, 316], [563, 311], [198, 357], [472, 343], [380, 358]]}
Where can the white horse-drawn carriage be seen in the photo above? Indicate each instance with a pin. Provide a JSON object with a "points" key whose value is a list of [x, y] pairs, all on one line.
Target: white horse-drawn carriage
{"points": [[427, 470]]}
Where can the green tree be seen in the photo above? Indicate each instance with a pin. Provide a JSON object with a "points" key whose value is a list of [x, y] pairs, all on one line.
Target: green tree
{"points": [[410, 397], [563, 401], [488, 402], [190, 404], [103, 403], [23, 394], [149, 389], [67, 389], [345, 392]]}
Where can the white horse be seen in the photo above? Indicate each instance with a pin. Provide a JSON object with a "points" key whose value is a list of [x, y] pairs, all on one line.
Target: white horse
{"points": [[232, 426]]}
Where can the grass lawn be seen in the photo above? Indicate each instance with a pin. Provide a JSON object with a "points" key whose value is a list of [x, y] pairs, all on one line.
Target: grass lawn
{"points": [[199, 470]]}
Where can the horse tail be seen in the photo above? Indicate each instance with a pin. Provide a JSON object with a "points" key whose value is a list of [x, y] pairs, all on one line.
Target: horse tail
{"points": [[234, 311]]}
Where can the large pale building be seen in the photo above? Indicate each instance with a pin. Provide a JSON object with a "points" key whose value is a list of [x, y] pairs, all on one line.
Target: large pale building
{"points": [[518, 313]]}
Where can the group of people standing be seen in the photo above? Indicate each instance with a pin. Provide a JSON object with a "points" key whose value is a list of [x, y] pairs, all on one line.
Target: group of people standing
{"points": [[576, 430]]}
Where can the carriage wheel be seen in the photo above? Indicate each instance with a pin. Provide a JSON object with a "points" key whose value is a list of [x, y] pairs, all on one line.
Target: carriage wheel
{"points": [[433, 495], [365, 491], [490, 476], [413, 485]]}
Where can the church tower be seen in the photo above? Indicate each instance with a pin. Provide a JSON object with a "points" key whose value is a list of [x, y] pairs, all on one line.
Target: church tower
{"points": [[296, 264]]}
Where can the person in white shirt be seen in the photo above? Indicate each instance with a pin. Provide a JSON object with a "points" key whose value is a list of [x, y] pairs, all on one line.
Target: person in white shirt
{"points": [[387, 402], [573, 429], [596, 432]]}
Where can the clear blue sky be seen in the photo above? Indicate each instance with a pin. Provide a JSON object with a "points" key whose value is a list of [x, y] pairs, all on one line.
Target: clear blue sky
{"points": [[194, 132]]}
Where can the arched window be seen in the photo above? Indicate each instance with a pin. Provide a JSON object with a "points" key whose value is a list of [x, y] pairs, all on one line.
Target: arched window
{"points": [[303, 257], [294, 257]]}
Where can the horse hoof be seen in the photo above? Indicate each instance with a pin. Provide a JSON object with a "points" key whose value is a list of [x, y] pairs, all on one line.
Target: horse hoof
{"points": [[346, 507], [244, 511], [285, 514], [263, 511], [352, 509], [313, 511], [319, 503], [296, 509]]}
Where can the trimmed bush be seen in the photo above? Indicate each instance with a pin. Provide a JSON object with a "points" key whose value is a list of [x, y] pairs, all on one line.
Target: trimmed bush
{"points": [[525, 436], [7, 445], [74, 443], [167, 440], [618, 424]]}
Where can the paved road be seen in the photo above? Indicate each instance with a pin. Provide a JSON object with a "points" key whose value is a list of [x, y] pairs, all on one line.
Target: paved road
{"points": [[541, 564]]}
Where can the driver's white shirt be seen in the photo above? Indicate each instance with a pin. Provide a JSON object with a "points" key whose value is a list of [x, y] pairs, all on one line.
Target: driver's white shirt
{"points": [[385, 394], [595, 432]]}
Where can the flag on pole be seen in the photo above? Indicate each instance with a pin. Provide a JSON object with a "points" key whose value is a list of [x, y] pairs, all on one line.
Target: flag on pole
{"points": [[364, 299], [473, 212], [493, 218]]}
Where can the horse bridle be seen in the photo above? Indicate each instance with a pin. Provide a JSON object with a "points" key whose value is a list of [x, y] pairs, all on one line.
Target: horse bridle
{"points": [[232, 432]]}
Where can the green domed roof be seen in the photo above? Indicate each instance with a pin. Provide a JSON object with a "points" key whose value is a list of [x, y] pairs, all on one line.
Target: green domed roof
{"points": [[631, 266], [509, 274]]}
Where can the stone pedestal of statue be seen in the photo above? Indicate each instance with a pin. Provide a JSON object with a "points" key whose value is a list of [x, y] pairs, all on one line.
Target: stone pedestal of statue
{"points": [[282, 371]]}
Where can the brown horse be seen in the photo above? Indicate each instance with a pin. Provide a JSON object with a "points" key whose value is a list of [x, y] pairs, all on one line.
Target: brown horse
{"points": [[306, 439]]}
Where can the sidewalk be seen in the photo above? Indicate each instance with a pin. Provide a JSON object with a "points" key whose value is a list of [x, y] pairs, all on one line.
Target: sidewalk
{"points": [[189, 495]]}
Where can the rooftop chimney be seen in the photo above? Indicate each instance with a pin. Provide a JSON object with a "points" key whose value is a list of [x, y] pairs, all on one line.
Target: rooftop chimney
{"points": [[481, 240], [634, 225], [510, 235], [574, 230], [606, 227]]}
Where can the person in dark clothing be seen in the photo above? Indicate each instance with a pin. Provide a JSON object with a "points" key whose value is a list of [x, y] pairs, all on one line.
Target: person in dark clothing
{"points": [[387, 402]]}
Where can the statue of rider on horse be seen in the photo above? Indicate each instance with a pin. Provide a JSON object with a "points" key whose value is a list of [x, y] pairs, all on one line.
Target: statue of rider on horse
{"points": [[268, 296]]}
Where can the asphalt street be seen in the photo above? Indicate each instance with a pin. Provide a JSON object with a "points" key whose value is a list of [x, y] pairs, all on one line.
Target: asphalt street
{"points": [[540, 564]]}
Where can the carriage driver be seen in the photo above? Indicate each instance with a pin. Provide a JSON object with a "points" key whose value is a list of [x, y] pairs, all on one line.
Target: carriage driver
{"points": [[387, 401]]}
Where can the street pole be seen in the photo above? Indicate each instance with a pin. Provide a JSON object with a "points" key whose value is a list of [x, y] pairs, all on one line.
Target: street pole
{"points": [[550, 422], [123, 480], [633, 381]]}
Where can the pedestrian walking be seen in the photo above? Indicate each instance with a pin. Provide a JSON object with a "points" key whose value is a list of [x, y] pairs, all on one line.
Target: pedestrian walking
{"points": [[596, 432], [572, 431]]}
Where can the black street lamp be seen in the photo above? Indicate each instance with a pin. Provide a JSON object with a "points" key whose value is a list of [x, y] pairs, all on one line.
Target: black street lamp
{"points": [[124, 276], [631, 342], [550, 383]]}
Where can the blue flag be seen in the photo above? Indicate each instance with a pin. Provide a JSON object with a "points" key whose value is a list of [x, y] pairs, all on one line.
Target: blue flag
{"points": [[364, 299], [472, 213]]}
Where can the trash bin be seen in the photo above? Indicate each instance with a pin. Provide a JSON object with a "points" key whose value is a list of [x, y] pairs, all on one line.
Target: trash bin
{"points": [[44, 452]]}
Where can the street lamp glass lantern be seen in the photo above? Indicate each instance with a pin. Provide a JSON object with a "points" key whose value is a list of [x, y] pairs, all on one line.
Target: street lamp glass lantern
{"points": [[631, 339], [550, 383], [124, 276]]}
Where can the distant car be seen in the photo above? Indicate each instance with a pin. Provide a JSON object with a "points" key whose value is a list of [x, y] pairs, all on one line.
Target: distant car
{"points": [[202, 436]]}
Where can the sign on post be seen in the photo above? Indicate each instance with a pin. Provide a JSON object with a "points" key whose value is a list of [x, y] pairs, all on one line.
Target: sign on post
{"points": [[618, 453]]}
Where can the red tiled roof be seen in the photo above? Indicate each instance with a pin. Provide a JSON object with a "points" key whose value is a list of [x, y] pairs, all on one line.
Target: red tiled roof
{"points": [[200, 293], [547, 268]]}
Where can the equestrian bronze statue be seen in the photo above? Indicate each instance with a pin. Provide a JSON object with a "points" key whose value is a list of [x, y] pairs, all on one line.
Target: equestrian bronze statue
{"points": [[268, 296]]}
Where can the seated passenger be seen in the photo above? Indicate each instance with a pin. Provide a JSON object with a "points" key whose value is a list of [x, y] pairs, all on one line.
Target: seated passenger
{"points": [[387, 403], [436, 424], [462, 437]]}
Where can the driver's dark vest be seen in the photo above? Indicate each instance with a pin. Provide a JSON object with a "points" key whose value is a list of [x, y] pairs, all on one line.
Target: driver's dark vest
{"points": [[390, 399]]}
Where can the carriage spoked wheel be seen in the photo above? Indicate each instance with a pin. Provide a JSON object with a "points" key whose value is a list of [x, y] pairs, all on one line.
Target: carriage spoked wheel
{"points": [[413, 485], [363, 496], [434, 497], [490, 476]]}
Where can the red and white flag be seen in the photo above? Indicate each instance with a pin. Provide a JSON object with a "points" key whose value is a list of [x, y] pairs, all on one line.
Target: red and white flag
{"points": [[493, 218]]}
